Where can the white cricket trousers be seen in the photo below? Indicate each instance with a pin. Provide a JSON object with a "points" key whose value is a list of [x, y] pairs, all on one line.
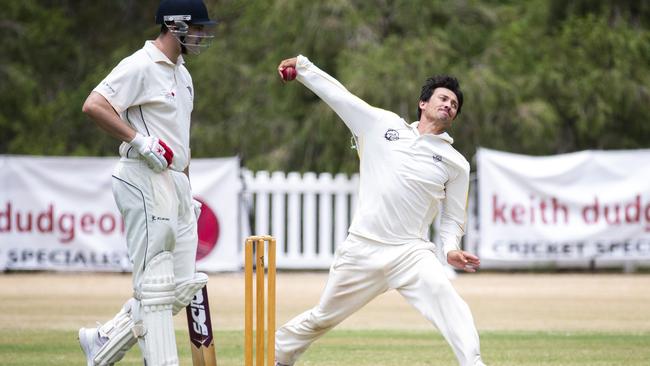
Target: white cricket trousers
{"points": [[158, 216], [362, 270]]}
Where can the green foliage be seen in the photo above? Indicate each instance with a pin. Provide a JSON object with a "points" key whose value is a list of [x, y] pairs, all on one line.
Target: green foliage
{"points": [[540, 77]]}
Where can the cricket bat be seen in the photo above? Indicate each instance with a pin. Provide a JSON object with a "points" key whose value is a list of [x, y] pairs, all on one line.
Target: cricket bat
{"points": [[200, 329]]}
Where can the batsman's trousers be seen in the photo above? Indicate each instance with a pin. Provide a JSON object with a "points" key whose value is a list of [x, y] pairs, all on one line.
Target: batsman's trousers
{"points": [[158, 216]]}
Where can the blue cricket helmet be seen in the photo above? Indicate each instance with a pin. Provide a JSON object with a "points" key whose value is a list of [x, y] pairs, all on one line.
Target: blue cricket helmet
{"points": [[189, 11]]}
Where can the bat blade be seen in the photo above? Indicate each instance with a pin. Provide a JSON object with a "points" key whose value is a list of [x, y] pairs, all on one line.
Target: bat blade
{"points": [[199, 324]]}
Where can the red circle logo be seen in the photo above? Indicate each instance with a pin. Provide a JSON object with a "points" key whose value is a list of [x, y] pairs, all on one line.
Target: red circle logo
{"points": [[208, 230]]}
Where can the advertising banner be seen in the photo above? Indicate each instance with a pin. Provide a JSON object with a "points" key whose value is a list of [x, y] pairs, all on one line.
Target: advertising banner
{"points": [[58, 213], [589, 205]]}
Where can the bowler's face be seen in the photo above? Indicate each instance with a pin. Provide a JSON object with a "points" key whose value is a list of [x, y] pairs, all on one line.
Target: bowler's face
{"points": [[442, 106]]}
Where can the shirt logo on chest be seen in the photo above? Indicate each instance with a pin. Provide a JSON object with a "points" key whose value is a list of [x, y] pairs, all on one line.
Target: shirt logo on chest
{"points": [[169, 95], [391, 135], [437, 158]]}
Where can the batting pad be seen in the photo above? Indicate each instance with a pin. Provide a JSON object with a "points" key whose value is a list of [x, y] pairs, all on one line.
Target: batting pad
{"points": [[184, 292], [120, 336], [158, 341]]}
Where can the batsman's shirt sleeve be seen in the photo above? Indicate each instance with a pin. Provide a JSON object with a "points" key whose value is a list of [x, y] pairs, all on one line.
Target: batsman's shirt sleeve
{"points": [[453, 215], [353, 110], [123, 87]]}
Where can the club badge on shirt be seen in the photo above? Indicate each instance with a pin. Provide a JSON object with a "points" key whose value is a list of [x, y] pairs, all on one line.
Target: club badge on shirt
{"points": [[391, 135], [169, 95]]}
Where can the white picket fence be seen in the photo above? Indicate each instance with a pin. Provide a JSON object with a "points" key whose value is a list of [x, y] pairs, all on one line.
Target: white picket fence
{"points": [[308, 214]]}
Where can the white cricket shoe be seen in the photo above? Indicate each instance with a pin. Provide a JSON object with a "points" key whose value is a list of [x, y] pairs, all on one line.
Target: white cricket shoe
{"points": [[91, 343]]}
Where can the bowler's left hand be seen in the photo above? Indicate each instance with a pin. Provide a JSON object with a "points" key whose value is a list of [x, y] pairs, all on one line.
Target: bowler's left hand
{"points": [[461, 259]]}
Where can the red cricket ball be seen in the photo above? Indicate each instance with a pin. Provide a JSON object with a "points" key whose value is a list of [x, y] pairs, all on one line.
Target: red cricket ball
{"points": [[289, 73]]}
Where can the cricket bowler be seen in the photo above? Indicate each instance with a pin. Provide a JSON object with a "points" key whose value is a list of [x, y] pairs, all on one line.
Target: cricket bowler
{"points": [[409, 174]]}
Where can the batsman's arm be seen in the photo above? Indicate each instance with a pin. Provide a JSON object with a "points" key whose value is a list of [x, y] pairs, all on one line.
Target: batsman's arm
{"points": [[120, 89], [155, 152], [106, 118], [355, 112]]}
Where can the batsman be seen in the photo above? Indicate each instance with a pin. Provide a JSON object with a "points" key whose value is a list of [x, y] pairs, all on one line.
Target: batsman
{"points": [[146, 102], [409, 174]]}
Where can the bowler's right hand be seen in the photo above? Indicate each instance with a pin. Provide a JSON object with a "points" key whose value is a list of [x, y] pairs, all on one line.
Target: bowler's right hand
{"points": [[290, 62], [154, 151]]}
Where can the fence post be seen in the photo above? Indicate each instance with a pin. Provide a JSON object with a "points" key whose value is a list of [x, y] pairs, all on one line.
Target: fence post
{"points": [[293, 187], [325, 243], [309, 217], [278, 212], [340, 209], [261, 199]]}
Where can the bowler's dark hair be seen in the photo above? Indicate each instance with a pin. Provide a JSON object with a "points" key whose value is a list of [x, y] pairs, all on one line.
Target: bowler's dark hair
{"points": [[440, 81]]}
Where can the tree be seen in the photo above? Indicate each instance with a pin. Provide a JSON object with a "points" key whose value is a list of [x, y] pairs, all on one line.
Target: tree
{"points": [[539, 77]]}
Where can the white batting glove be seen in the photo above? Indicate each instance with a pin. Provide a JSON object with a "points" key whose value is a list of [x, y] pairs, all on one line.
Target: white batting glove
{"points": [[196, 205], [154, 151]]}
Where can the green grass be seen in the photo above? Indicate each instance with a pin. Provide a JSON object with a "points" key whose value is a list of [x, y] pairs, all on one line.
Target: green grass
{"points": [[361, 348]]}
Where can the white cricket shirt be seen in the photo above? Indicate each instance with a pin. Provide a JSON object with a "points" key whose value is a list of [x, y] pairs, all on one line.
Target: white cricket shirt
{"points": [[155, 97], [406, 179]]}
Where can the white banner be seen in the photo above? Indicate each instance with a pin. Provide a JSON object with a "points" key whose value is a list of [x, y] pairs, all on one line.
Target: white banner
{"points": [[590, 205], [217, 184], [59, 214]]}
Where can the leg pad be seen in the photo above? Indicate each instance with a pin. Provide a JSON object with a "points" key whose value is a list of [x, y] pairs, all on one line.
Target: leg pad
{"points": [[156, 293], [120, 336], [185, 291]]}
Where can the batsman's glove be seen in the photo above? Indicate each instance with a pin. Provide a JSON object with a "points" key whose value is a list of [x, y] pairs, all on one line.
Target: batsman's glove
{"points": [[196, 205], [154, 151]]}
